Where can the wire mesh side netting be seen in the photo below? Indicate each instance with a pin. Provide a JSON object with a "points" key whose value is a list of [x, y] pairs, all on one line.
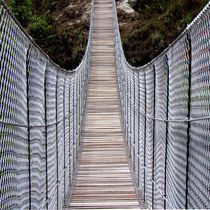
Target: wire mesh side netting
{"points": [[172, 112], [41, 112]]}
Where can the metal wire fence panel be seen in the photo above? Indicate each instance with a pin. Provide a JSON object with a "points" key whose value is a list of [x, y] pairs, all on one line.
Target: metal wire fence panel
{"points": [[75, 124], [149, 76], [136, 121], [199, 145], [132, 115], [66, 111], [124, 96], [142, 133], [71, 146], [161, 69], [178, 60], [127, 110], [173, 118], [77, 111], [129, 113], [41, 114], [60, 137], [14, 188], [36, 66], [80, 99], [51, 135]]}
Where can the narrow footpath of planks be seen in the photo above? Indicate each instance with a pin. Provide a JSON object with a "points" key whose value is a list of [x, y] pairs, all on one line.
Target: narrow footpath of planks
{"points": [[104, 180]]}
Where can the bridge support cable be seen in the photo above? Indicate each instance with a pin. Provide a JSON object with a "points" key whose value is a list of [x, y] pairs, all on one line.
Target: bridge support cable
{"points": [[166, 124], [145, 135], [189, 110], [46, 148], [174, 118], [28, 123], [37, 162], [153, 140]]}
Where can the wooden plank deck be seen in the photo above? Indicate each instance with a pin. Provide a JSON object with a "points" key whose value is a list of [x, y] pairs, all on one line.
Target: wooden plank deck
{"points": [[104, 180]]}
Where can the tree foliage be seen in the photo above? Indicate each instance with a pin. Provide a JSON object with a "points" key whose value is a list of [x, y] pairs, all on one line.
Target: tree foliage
{"points": [[22, 10], [66, 46], [155, 25]]}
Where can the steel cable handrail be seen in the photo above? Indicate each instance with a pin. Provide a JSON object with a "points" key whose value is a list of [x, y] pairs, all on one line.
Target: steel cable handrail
{"points": [[171, 120], [33, 126]]}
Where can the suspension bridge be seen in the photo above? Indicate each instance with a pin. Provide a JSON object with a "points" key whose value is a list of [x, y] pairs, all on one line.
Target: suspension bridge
{"points": [[106, 135]]}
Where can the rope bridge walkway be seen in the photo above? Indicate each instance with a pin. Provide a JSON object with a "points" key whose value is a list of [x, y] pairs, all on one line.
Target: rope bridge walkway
{"points": [[105, 135], [103, 179]]}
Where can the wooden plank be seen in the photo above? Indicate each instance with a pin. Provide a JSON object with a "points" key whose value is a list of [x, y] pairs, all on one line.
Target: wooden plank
{"points": [[103, 180]]}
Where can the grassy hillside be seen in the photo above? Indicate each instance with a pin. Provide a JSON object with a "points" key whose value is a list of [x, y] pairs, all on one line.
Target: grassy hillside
{"points": [[154, 26], [59, 27]]}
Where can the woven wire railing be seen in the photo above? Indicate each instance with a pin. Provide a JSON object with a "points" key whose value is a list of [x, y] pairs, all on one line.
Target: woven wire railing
{"points": [[166, 115], [41, 116]]}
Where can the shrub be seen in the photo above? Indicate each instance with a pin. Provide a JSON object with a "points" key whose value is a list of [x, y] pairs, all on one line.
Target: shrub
{"points": [[22, 10], [39, 28]]}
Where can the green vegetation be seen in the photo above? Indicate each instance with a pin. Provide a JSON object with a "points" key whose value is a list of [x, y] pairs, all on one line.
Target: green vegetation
{"points": [[154, 26], [22, 10], [64, 44], [62, 33]]}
